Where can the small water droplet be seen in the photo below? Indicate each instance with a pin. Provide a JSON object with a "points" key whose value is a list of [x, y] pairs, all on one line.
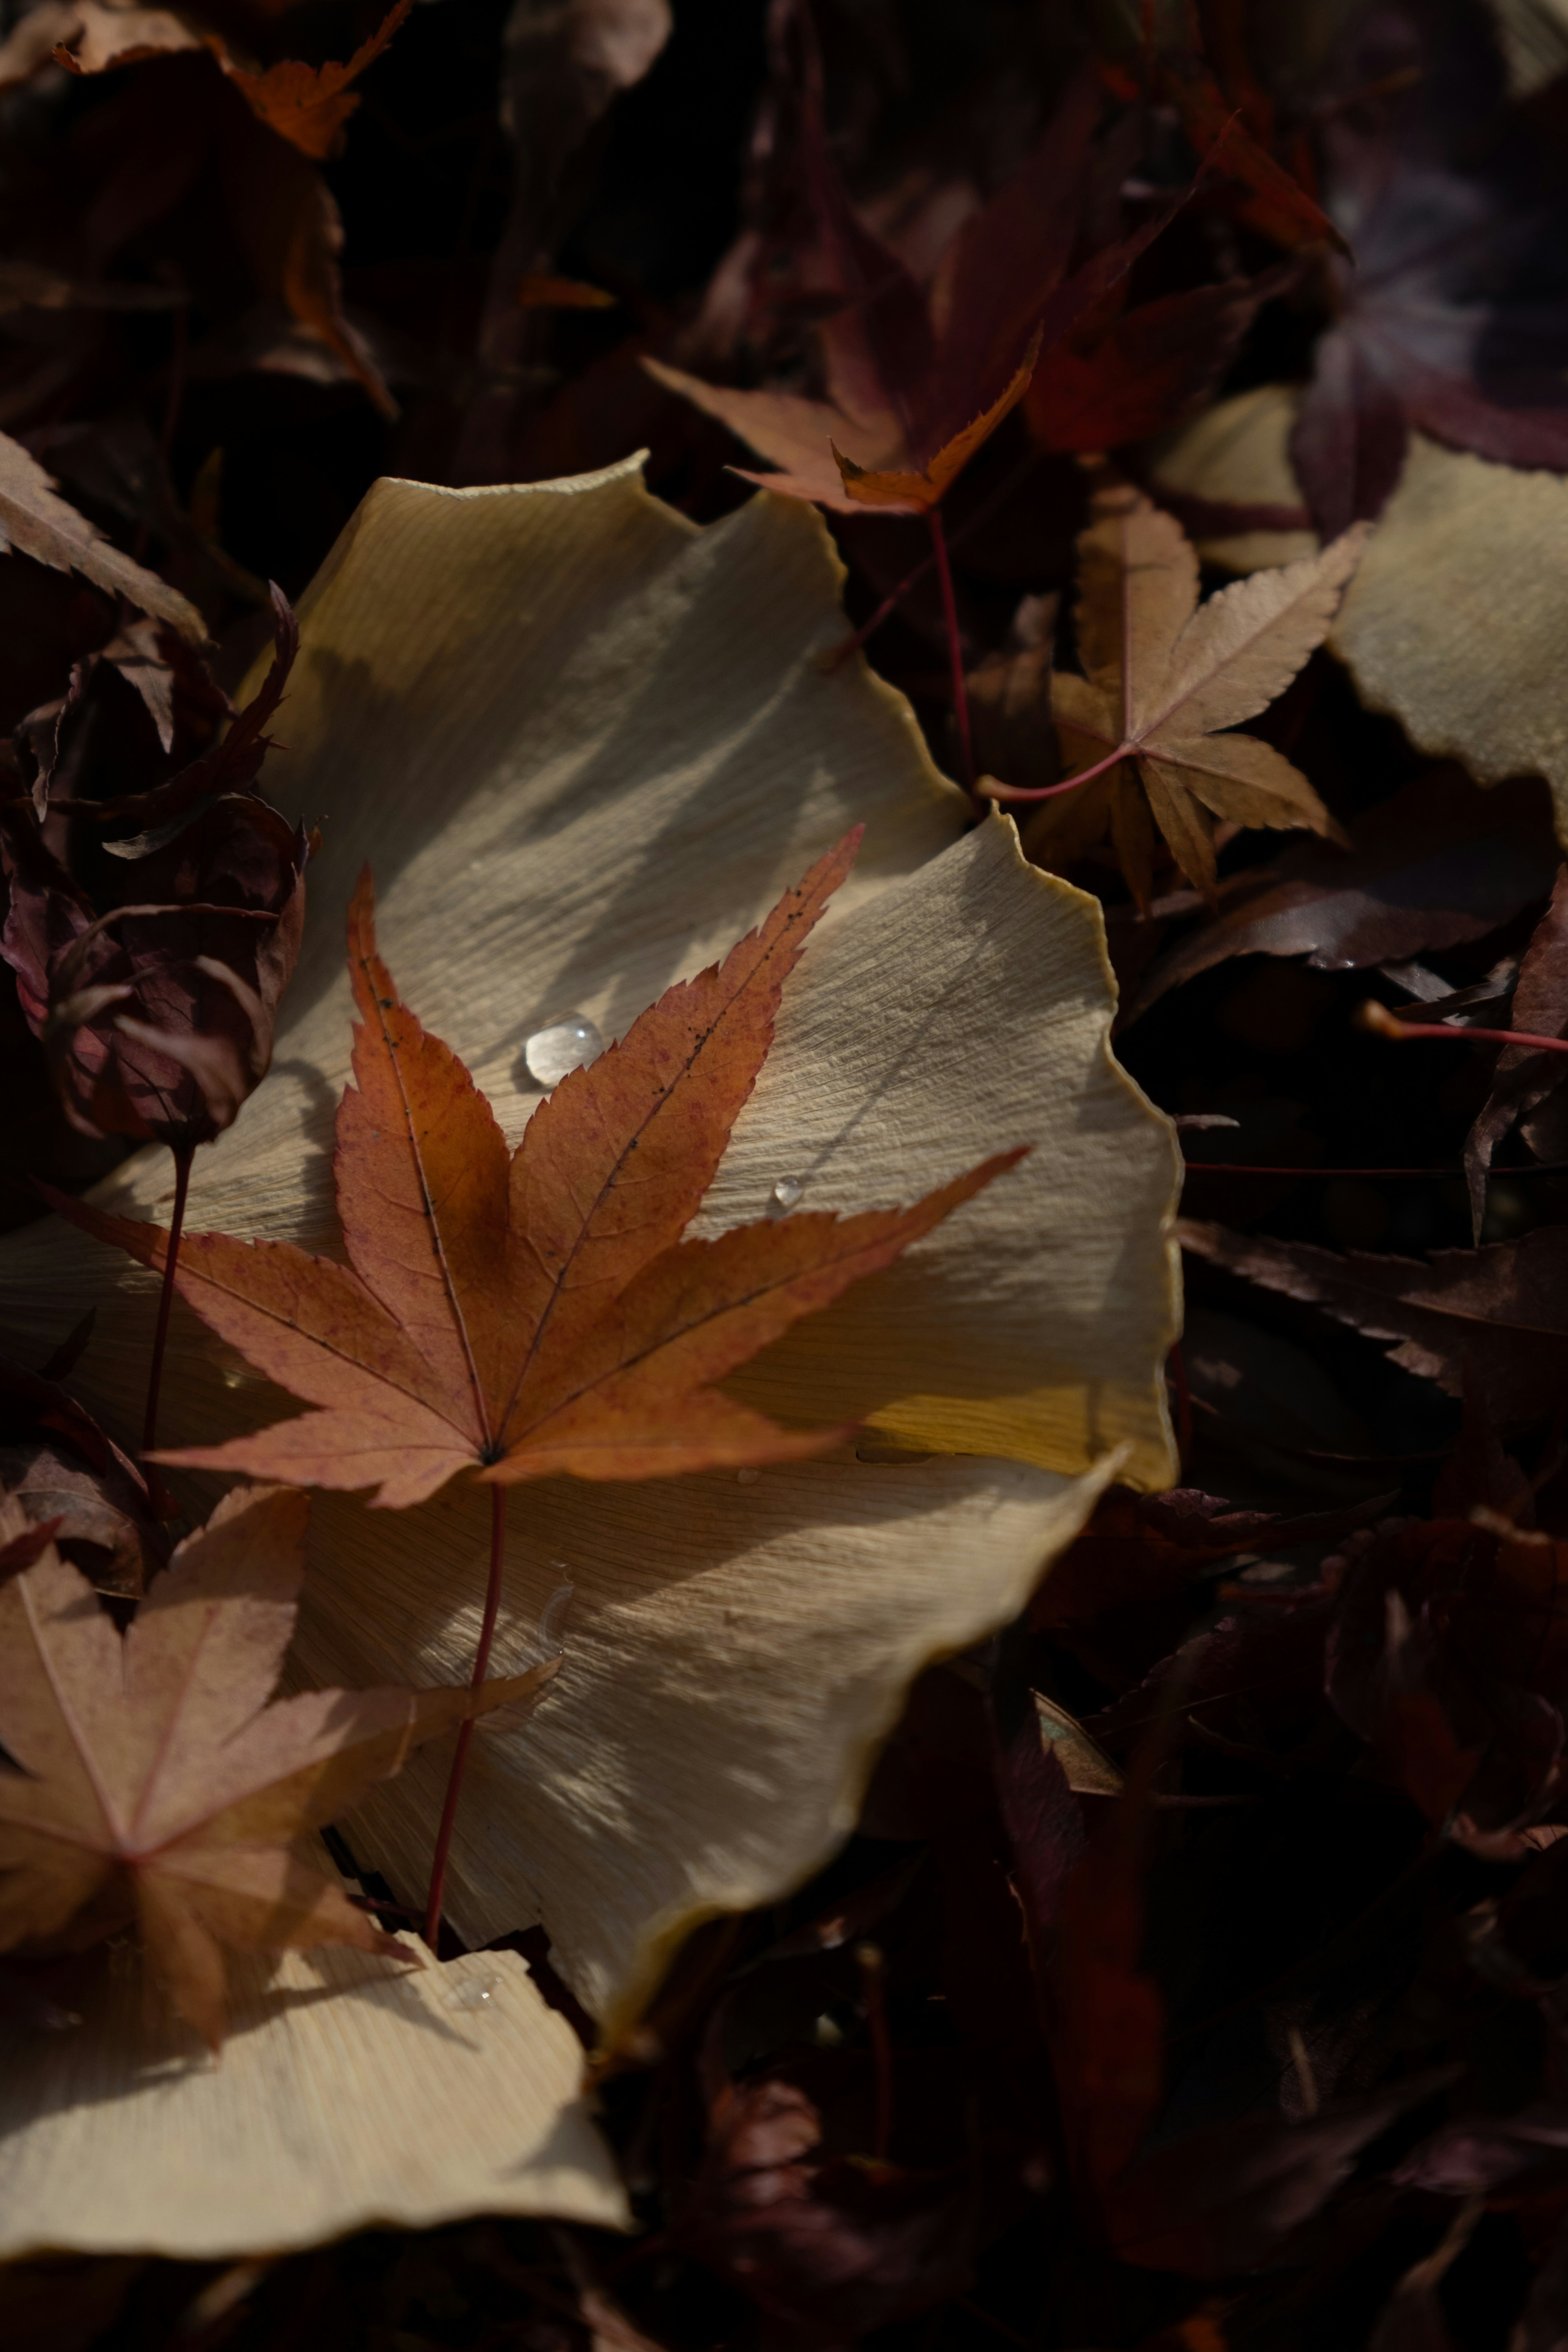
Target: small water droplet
{"points": [[474, 1992], [786, 1193], [747, 1477], [565, 1045]]}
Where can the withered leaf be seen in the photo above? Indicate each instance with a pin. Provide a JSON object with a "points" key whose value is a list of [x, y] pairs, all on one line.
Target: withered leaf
{"points": [[157, 1015], [1437, 864], [1223, 2199], [153, 1782], [829, 2245], [1456, 324], [60, 1466], [542, 1315], [1522, 1078], [916, 380], [1165, 676], [1109, 383], [308, 105], [36, 522], [1502, 1311]]}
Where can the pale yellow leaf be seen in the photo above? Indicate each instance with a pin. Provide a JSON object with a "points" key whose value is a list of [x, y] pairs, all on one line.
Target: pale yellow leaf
{"points": [[1236, 454], [352, 2095], [1458, 621], [586, 745]]}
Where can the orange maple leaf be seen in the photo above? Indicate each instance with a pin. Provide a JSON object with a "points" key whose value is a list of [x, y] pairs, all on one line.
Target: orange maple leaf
{"points": [[538, 1314], [307, 105]]}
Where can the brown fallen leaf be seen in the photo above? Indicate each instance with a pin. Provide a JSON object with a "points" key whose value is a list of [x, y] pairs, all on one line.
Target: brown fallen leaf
{"points": [[60, 1466], [1165, 677], [917, 379], [36, 521], [154, 1781], [1522, 1078], [542, 1315], [1088, 1768], [1437, 864], [26, 286], [289, 222], [1501, 1311], [307, 105]]}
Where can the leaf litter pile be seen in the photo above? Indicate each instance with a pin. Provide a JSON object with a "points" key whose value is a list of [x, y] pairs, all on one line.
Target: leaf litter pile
{"points": [[783, 1444]]}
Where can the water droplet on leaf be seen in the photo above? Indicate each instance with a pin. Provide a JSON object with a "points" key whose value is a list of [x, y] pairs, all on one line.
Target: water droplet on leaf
{"points": [[474, 1992], [564, 1047]]}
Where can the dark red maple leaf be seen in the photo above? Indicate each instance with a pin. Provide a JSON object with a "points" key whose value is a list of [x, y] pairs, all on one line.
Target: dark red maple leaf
{"points": [[157, 1014], [834, 2245], [917, 378], [1449, 1654], [1455, 322], [1123, 378]]}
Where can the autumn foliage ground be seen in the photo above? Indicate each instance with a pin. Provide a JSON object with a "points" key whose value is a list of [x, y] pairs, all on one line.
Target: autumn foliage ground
{"points": [[1195, 1979]]}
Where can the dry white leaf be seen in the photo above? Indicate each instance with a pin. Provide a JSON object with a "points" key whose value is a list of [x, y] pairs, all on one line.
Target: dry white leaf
{"points": [[586, 745], [352, 2095]]}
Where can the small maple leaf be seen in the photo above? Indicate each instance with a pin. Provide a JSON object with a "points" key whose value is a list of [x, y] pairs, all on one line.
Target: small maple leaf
{"points": [[916, 379], [541, 1314], [154, 1781], [1164, 677], [307, 105]]}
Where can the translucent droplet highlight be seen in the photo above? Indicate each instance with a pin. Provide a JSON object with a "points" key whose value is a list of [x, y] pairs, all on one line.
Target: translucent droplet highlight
{"points": [[786, 1195], [565, 1045], [474, 1992]]}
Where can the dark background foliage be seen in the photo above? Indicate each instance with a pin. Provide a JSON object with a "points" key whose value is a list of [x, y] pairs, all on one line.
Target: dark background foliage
{"points": [[1266, 2051]]}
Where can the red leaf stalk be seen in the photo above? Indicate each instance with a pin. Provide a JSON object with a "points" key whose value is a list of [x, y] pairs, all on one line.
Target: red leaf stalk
{"points": [[466, 1731], [1377, 1017], [955, 654], [999, 791]]}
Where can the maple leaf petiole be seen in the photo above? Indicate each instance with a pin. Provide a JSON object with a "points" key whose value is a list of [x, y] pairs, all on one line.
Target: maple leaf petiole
{"points": [[955, 654], [466, 1730], [1383, 1023], [1000, 791], [182, 1159], [981, 515]]}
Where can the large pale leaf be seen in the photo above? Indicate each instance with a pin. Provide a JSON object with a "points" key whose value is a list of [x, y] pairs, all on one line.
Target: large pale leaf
{"points": [[1456, 620], [351, 2093], [586, 745]]}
